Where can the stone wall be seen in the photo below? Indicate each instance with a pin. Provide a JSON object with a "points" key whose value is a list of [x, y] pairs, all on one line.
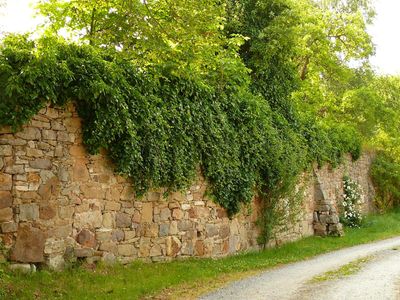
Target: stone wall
{"points": [[59, 204]]}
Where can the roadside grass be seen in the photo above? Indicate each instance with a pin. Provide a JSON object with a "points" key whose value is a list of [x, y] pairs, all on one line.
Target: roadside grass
{"points": [[184, 278], [346, 270]]}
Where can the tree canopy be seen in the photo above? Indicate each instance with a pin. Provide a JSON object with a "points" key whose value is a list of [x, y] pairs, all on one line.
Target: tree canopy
{"points": [[251, 91]]}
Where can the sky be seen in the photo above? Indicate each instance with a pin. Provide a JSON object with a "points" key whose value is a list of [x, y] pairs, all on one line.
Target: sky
{"points": [[18, 17]]}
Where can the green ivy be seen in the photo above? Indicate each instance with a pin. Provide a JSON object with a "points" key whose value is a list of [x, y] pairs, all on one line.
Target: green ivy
{"points": [[159, 128]]}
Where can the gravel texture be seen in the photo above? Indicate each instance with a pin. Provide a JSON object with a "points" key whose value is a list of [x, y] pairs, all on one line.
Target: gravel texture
{"points": [[376, 280]]}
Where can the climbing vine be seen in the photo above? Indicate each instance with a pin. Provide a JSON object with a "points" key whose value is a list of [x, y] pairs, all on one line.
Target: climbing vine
{"points": [[158, 127]]}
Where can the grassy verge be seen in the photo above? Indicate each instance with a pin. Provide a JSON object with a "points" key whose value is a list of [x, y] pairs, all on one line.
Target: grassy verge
{"points": [[346, 270], [172, 280]]}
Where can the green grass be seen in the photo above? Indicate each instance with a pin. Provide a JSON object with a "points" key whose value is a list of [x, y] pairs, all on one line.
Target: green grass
{"points": [[174, 279], [346, 270]]}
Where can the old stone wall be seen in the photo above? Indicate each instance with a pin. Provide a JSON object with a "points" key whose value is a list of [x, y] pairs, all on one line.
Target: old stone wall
{"points": [[59, 204]]}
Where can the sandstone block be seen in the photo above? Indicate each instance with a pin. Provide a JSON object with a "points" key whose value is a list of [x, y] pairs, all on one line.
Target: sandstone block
{"points": [[6, 214], [22, 268], [112, 206], [164, 230], [93, 190], [1, 163], [32, 152], [15, 169], [9, 227], [47, 212], [118, 235], [5, 199], [144, 247], [199, 248], [89, 220], [54, 246], [123, 220], [6, 150], [177, 214], [80, 171], [29, 133], [50, 189], [84, 252], [41, 163], [147, 212], [155, 250], [66, 212], [56, 263], [28, 212], [109, 220], [86, 238], [49, 135], [108, 258], [5, 182], [165, 214], [224, 231], [109, 247], [29, 247], [173, 246], [126, 250], [211, 230]]}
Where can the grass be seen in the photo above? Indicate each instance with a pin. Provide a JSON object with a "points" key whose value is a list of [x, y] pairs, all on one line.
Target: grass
{"points": [[346, 270], [180, 279]]}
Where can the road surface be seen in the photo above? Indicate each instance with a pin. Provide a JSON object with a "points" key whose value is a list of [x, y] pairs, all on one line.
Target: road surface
{"points": [[377, 279]]}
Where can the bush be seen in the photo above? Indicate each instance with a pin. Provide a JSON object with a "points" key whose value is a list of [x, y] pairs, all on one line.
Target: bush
{"points": [[385, 173], [351, 215]]}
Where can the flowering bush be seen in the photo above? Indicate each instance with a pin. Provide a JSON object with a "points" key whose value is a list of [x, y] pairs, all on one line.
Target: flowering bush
{"points": [[352, 200]]}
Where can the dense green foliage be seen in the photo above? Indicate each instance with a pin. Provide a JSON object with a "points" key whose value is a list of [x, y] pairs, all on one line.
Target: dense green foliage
{"points": [[235, 88], [385, 174]]}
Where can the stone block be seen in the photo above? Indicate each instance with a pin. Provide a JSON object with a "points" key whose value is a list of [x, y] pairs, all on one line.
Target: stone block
{"points": [[47, 212], [28, 212], [29, 246], [109, 247], [184, 225], [123, 220], [118, 235], [41, 163], [32, 152], [1, 163], [155, 250], [90, 219], [84, 252], [54, 246], [80, 171], [29, 133], [56, 263], [177, 214], [50, 189], [173, 246], [22, 268], [15, 169], [9, 227], [86, 238], [6, 214], [211, 230], [165, 214], [224, 231], [92, 190], [108, 258], [115, 206], [147, 212], [5, 182], [126, 250], [109, 220], [164, 230], [49, 134], [144, 247], [6, 150], [73, 125], [5, 199], [66, 212]]}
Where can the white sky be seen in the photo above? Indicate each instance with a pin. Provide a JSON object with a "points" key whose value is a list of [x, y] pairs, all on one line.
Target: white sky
{"points": [[18, 17]]}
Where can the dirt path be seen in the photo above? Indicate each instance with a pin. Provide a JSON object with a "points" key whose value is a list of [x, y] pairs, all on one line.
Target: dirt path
{"points": [[378, 279]]}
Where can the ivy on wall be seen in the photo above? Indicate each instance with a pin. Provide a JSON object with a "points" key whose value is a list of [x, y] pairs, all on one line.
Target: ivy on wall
{"points": [[158, 128]]}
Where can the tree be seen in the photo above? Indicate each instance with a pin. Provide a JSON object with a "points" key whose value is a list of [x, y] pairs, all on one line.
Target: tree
{"points": [[183, 36]]}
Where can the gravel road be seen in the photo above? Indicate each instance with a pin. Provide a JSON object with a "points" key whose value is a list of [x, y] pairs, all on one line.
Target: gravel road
{"points": [[378, 279]]}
